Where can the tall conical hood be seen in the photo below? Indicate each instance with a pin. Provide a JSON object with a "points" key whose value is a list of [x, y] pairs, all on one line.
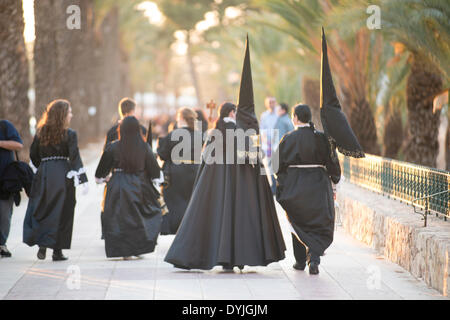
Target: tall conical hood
{"points": [[245, 116], [334, 121]]}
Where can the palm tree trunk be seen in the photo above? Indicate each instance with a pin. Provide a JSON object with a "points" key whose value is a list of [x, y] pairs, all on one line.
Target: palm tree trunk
{"points": [[362, 121], [62, 59], [423, 83], [393, 133], [14, 82], [311, 96], [193, 71]]}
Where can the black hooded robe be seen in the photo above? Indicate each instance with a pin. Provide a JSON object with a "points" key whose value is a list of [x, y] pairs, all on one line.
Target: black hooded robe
{"points": [[180, 180], [49, 218], [131, 215], [230, 220], [306, 193]]}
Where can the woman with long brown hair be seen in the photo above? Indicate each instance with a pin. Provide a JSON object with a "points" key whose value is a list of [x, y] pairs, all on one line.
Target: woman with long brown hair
{"points": [[131, 215], [179, 173], [54, 152]]}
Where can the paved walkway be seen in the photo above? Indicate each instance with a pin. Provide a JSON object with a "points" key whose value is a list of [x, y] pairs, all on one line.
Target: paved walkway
{"points": [[349, 270]]}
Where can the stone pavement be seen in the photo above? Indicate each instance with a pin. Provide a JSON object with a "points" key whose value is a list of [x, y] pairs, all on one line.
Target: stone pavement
{"points": [[349, 270]]}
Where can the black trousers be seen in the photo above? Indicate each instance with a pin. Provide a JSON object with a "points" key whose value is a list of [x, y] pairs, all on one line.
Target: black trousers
{"points": [[300, 252]]}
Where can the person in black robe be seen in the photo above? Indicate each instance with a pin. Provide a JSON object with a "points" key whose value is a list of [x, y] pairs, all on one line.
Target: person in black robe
{"points": [[50, 212], [231, 218], [308, 163], [179, 174], [127, 108], [202, 120], [131, 215], [306, 169]]}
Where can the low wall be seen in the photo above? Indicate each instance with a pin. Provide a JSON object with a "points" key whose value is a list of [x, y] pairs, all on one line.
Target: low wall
{"points": [[395, 231]]}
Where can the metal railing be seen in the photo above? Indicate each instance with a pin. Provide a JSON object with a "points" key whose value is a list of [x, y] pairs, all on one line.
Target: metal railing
{"points": [[422, 187]]}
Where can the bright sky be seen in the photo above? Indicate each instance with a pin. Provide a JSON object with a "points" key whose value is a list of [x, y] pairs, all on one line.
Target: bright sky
{"points": [[151, 11], [28, 14]]}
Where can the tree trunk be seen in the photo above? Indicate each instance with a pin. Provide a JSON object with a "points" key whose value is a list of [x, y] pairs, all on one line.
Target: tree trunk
{"points": [[393, 134], [311, 96], [423, 83], [110, 65], [14, 82], [362, 122], [193, 71], [64, 60]]}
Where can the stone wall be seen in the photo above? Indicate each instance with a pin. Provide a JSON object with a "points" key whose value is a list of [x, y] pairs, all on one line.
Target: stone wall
{"points": [[395, 231]]}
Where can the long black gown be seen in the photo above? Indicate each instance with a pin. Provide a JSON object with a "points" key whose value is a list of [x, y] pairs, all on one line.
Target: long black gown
{"points": [[49, 217], [180, 178], [131, 215], [230, 220], [306, 193]]}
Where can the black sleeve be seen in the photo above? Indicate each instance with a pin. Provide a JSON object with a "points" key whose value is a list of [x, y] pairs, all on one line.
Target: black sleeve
{"points": [[34, 152], [75, 163], [151, 165], [164, 147], [106, 163], [332, 161]]}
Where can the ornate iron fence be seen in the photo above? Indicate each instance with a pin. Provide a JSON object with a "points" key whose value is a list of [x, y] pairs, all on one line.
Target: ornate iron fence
{"points": [[423, 187]]}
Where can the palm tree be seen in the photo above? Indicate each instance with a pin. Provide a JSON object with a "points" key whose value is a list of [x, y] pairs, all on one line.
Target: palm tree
{"points": [[423, 29], [348, 58], [14, 82]]}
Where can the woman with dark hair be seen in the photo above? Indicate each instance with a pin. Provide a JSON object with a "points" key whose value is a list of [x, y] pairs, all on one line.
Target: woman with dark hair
{"points": [[131, 215], [202, 119], [179, 173], [307, 166], [54, 152]]}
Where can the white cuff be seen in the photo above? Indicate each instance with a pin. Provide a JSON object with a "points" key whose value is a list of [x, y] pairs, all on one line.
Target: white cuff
{"points": [[76, 176]]}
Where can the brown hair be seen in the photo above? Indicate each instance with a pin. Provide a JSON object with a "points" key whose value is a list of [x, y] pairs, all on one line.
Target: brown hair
{"points": [[52, 126], [189, 116], [126, 105]]}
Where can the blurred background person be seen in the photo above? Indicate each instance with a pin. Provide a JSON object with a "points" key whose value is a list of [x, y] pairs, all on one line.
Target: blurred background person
{"points": [[180, 176], [283, 125], [267, 125]]}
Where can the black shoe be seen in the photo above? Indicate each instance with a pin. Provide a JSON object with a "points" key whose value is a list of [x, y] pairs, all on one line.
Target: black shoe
{"points": [[313, 268], [58, 256], [227, 268], [299, 266], [181, 267], [42, 253], [4, 252]]}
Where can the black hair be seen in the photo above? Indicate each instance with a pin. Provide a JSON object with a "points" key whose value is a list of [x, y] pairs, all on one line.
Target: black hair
{"points": [[285, 107], [224, 110], [303, 113], [126, 105], [132, 145]]}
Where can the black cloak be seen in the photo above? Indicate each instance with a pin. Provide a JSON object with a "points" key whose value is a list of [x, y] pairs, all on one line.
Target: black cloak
{"points": [[179, 179], [49, 217], [131, 215], [306, 193]]}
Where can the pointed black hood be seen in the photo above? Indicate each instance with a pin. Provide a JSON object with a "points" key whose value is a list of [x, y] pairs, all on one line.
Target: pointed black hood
{"points": [[334, 121], [245, 115]]}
